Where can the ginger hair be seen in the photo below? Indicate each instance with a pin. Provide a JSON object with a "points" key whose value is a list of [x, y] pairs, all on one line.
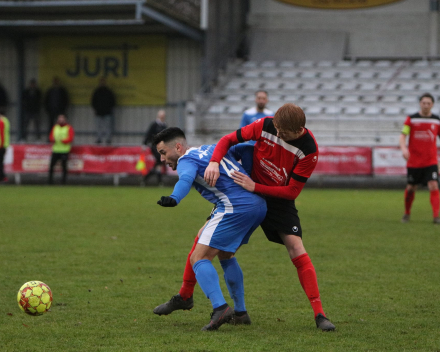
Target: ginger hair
{"points": [[290, 117]]}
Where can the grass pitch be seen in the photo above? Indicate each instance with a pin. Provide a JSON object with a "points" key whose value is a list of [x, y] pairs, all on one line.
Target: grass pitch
{"points": [[110, 255]]}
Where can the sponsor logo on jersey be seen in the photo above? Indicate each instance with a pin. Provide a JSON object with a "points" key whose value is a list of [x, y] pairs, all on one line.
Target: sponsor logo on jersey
{"points": [[267, 142], [274, 175]]}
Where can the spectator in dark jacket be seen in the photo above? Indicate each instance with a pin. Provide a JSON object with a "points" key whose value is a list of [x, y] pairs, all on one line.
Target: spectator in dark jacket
{"points": [[3, 99], [103, 102], [56, 102], [31, 99], [156, 127]]}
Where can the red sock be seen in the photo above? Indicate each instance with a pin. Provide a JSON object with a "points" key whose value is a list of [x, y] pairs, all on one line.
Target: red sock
{"points": [[309, 282], [189, 277], [409, 197], [435, 202]]}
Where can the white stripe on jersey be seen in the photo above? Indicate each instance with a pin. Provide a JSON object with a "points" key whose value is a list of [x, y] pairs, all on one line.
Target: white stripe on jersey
{"points": [[190, 149], [415, 120], [229, 208], [229, 172], [283, 144], [253, 111], [208, 231]]}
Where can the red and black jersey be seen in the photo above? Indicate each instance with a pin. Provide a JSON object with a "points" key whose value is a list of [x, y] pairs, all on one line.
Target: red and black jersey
{"points": [[422, 145], [280, 169]]}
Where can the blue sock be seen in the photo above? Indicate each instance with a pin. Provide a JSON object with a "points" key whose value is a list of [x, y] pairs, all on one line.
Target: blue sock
{"points": [[208, 280], [234, 281]]}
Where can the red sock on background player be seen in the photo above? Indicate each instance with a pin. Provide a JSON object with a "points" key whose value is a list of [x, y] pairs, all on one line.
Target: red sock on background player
{"points": [[435, 202], [409, 198], [189, 277], [309, 282]]}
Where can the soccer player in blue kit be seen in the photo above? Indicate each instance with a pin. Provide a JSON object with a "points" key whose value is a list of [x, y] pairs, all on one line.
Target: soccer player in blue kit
{"points": [[237, 214]]}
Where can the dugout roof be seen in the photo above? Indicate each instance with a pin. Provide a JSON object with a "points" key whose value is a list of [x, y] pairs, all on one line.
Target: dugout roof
{"points": [[33, 17]]}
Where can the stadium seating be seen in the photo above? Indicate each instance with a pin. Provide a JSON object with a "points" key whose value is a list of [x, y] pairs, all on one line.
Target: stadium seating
{"points": [[368, 98]]}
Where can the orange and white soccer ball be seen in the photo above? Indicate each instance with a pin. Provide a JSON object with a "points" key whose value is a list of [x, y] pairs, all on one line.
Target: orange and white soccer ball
{"points": [[34, 298]]}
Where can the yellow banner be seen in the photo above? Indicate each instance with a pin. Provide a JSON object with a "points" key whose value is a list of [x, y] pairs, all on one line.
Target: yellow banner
{"points": [[134, 66], [338, 4]]}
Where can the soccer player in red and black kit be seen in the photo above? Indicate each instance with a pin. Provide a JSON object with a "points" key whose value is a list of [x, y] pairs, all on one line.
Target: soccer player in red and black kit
{"points": [[421, 155], [284, 157]]}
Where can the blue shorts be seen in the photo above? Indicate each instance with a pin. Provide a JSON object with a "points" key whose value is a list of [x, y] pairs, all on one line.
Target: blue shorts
{"points": [[228, 231]]}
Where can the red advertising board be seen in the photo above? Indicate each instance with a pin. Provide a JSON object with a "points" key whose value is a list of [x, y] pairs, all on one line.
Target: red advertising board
{"points": [[344, 161], [82, 159]]}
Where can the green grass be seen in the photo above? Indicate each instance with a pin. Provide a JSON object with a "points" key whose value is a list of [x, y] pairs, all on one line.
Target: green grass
{"points": [[110, 255]]}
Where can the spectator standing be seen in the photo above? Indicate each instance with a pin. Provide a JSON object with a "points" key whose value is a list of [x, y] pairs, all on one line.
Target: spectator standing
{"points": [[3, 99], [421, 155], [156, 127], [103, 102], [259, 111], [4, 143], [31, 100], [56, 102], [61, 136]]}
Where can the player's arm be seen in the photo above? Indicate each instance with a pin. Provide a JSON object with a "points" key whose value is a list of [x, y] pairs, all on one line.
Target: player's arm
{"points": [[303, 170], [212, 172], [247, 133], [402, 139], [244, 153], [187, 172], [291, 191]]}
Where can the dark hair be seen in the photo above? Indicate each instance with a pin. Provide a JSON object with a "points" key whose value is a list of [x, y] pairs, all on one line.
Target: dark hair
{"points": [[168, 134], [290, 117], [427, 95], [262, 91]]}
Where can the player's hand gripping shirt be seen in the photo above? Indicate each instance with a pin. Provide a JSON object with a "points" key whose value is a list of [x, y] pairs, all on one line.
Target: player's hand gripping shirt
{"points": [[227, 195], [280, 169], [422, 145]]}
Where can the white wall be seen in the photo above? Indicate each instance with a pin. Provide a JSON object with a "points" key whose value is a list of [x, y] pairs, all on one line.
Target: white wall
{"points": [[400, 29]]}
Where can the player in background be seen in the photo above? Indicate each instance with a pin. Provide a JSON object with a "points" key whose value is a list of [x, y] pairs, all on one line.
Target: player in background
{"points": [[237, 214], [284, 157], [258, 112], [422, 128]]}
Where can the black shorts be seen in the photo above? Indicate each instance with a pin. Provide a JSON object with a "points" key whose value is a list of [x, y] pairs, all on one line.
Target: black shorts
{"points": [[422, 175], [281, 217]]}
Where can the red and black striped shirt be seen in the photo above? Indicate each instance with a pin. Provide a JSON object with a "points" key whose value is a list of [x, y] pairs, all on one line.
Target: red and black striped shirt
{"points": [[280, 169]]}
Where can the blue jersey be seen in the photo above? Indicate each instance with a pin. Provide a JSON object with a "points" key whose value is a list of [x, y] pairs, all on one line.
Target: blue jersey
{"points": [[252, 115], [226, 195]]}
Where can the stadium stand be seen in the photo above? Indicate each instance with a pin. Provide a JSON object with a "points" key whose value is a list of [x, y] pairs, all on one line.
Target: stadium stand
{"points": [[347, 102]]}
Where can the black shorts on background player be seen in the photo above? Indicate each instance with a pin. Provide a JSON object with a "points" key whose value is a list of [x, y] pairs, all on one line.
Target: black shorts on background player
{"points": [[422, 175]]}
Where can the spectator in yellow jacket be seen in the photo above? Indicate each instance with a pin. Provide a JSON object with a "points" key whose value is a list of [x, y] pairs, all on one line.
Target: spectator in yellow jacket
{"points": [[4, 143], [61, 136]]}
